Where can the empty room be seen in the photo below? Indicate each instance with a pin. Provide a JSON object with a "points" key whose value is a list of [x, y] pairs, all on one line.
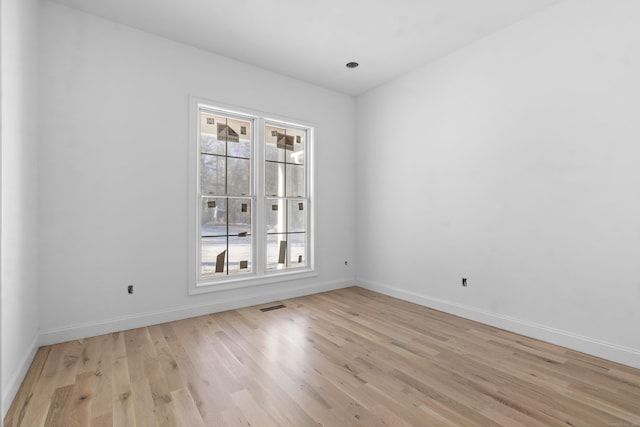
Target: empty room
{"points": [[320, 213]]}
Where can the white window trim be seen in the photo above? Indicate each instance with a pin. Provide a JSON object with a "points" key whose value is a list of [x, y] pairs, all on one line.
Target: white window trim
{"points": [[259, 275]]}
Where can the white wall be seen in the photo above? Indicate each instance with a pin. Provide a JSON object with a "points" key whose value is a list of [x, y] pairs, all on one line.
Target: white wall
{"points": [[19, 223], [514, 163], [113, 177]]}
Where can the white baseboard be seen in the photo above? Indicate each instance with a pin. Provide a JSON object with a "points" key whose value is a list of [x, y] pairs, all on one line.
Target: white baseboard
{"points": [[91, 329], [18, 376], [616, 353]]}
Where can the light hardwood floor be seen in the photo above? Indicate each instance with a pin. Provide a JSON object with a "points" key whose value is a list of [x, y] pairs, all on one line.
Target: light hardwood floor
{"points": [[344, 358]]}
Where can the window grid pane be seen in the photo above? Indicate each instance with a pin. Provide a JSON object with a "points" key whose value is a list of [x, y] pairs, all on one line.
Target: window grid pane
{"points": [[225, 174], [286, 204]]}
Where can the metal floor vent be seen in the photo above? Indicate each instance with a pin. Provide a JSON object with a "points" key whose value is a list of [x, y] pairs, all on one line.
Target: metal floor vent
{"points": [[273, 307]]}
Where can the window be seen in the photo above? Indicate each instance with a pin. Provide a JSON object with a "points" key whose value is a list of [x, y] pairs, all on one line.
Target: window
{"points": [[250, 204], [285, 189], [226, 195]]}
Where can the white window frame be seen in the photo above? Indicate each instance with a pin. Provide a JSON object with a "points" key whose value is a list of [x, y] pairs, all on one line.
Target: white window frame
{"points": [[259, 274]]}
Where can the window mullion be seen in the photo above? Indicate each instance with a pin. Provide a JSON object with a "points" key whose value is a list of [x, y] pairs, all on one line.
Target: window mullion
{"points": [[258, 156], [226, 192], [286, 210]]}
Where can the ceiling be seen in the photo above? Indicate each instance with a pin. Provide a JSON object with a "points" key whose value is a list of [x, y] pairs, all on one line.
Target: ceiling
{"points": [[312, 40]]}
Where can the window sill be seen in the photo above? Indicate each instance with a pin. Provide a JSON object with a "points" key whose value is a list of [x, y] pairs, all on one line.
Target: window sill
{"points": [[246, 282]]}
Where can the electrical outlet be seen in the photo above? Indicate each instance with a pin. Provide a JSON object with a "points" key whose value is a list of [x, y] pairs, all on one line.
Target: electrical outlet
{"points": [[130, 289], [464, 282]]}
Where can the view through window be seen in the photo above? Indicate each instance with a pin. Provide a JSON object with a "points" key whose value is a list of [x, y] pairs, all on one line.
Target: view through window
{"points": [[253, 196]]}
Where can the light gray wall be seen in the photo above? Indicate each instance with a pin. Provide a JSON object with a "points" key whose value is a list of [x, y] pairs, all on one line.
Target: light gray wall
{"points": [[514, 162], [19, 222], [113, 181]]}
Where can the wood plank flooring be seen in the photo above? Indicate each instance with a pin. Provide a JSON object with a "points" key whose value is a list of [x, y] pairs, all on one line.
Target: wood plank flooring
{"points": [[344, 358]]}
